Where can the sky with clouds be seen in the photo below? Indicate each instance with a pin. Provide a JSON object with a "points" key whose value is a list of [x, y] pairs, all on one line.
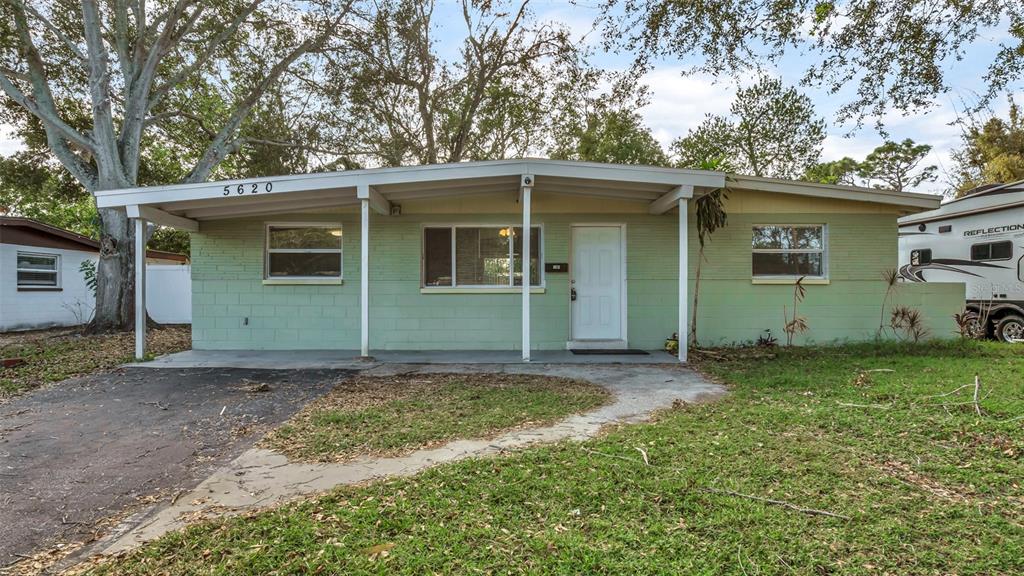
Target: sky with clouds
{"points": [[679, 102]]}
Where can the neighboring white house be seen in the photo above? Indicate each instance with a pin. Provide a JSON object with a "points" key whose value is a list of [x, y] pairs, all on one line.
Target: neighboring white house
{"points": [[42, 283]]}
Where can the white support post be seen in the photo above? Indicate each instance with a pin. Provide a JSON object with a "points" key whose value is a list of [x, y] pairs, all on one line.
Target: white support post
{"points": [[527, 182], [364, 280], [684, 280], [140, 289]]}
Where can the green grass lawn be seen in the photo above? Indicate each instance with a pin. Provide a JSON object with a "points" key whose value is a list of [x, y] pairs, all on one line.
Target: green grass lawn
{"points": [[385, 416], [927, 489]]}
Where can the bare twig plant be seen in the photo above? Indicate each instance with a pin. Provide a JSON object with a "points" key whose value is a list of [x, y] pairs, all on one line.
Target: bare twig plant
{"points": [[909, 322], [797, 324], [891, 277], [968, 324]]}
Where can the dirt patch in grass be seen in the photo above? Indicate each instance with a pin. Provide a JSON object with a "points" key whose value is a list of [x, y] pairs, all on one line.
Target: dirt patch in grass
{"points": [[59, 354], [390, 416]]}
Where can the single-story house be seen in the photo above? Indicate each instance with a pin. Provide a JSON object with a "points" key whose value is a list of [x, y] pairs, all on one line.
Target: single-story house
{"points": [[431, 258], [42, 283]]}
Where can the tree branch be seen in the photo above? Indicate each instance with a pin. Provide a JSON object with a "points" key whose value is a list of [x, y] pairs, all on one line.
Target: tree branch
{"points": [[224, 141], [41, 105], [108, 157], [211, 46], [57, 32]]}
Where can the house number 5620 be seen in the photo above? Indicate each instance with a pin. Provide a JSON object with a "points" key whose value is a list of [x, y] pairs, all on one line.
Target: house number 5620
{"points": [[252, 188]]}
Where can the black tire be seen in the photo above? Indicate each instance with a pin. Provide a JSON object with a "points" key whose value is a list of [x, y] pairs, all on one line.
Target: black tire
{"points": [[1010, 329]]}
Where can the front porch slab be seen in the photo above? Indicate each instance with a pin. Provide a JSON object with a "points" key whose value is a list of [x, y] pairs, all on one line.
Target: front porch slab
{"points": [[350, 359]]}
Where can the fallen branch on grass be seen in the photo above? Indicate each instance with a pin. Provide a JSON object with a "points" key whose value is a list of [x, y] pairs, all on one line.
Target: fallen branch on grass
{"points": [[977, 389], [975, 400], [878, 406], [724, 492], [950, 393], [782, 503]]}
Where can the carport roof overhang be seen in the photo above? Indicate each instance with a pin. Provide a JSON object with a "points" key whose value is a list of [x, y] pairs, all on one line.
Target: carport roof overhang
{"points": [[184, 205]]}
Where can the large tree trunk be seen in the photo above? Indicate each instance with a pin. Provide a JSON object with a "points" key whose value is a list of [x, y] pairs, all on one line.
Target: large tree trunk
{"points": [[115, 274]]}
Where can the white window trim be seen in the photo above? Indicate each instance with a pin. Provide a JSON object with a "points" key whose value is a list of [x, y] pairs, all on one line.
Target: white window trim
{"points": [[455, 288], [270, 280], [56, 271], [787, 278]]}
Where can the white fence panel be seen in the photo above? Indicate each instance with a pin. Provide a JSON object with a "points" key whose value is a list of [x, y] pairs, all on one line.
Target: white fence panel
{"points": [[169, 293]]}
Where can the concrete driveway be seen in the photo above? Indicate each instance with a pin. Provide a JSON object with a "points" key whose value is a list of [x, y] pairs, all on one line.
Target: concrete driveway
{"points": [[91, 448]]}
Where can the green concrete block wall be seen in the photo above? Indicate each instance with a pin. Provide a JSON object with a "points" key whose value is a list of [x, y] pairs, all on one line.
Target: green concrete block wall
{"points": [[227, 273], [733, 310]]}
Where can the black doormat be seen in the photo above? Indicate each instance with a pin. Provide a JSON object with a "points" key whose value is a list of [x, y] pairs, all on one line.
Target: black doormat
{"points": [[608, 352]]}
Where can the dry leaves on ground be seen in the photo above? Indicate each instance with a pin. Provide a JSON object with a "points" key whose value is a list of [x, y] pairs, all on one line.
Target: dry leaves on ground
{"points": [[55, 355]]}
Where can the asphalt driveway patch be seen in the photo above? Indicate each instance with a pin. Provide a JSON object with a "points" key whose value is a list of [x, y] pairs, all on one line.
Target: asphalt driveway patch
{"points": [[93, 447]]}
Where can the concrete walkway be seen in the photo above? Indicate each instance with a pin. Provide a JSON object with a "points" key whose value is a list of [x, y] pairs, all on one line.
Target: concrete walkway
{"points": [[260, 478]]}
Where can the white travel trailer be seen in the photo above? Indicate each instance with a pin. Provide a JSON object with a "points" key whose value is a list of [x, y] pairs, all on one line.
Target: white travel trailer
{"points": [[978, 240]]}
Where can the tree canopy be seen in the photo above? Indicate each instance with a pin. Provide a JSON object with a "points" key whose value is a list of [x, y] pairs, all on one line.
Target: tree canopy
{"points": [[891, 165], [992, 152], [392, 97], [895, 166], [890, 53], [614, 136], [772, 131]]}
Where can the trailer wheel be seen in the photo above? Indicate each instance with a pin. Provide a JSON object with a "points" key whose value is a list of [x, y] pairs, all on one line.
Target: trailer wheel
{"points": [[1010, 329]]}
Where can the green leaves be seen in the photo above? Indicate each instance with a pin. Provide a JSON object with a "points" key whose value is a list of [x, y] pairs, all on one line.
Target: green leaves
{"points": [[772, 131], [88, 270], [894, 165], [878, 55], [613, 136], [992, 152]]}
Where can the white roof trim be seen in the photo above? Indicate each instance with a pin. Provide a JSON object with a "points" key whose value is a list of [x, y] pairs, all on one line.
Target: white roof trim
{"points": [[878, 195], [967, 206], [644, 182], [353, 179]]}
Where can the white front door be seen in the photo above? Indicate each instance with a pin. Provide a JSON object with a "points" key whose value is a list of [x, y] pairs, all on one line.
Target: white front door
{"points": [[597, 281]]}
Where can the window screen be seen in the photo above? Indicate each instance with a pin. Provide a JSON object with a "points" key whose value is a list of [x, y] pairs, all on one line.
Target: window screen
{"points": [[485, 256], [37, 270], [437, 257], [921, 257], [304, 251], [788, 251]]}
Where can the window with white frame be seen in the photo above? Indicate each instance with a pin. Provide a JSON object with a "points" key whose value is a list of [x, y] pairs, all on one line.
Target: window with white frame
{"points": [[479, 256], [304, 251], [38, 270], [789, 251]]}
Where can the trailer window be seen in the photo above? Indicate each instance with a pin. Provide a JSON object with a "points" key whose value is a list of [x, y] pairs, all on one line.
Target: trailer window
{"points": [[992, 251], [921, 257]]}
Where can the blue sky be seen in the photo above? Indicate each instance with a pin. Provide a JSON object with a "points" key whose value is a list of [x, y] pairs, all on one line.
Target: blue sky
{"points": [[679, 102]]}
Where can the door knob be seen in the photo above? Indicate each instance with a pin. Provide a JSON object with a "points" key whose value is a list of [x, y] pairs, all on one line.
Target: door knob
{"points": [[572, 295]]}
